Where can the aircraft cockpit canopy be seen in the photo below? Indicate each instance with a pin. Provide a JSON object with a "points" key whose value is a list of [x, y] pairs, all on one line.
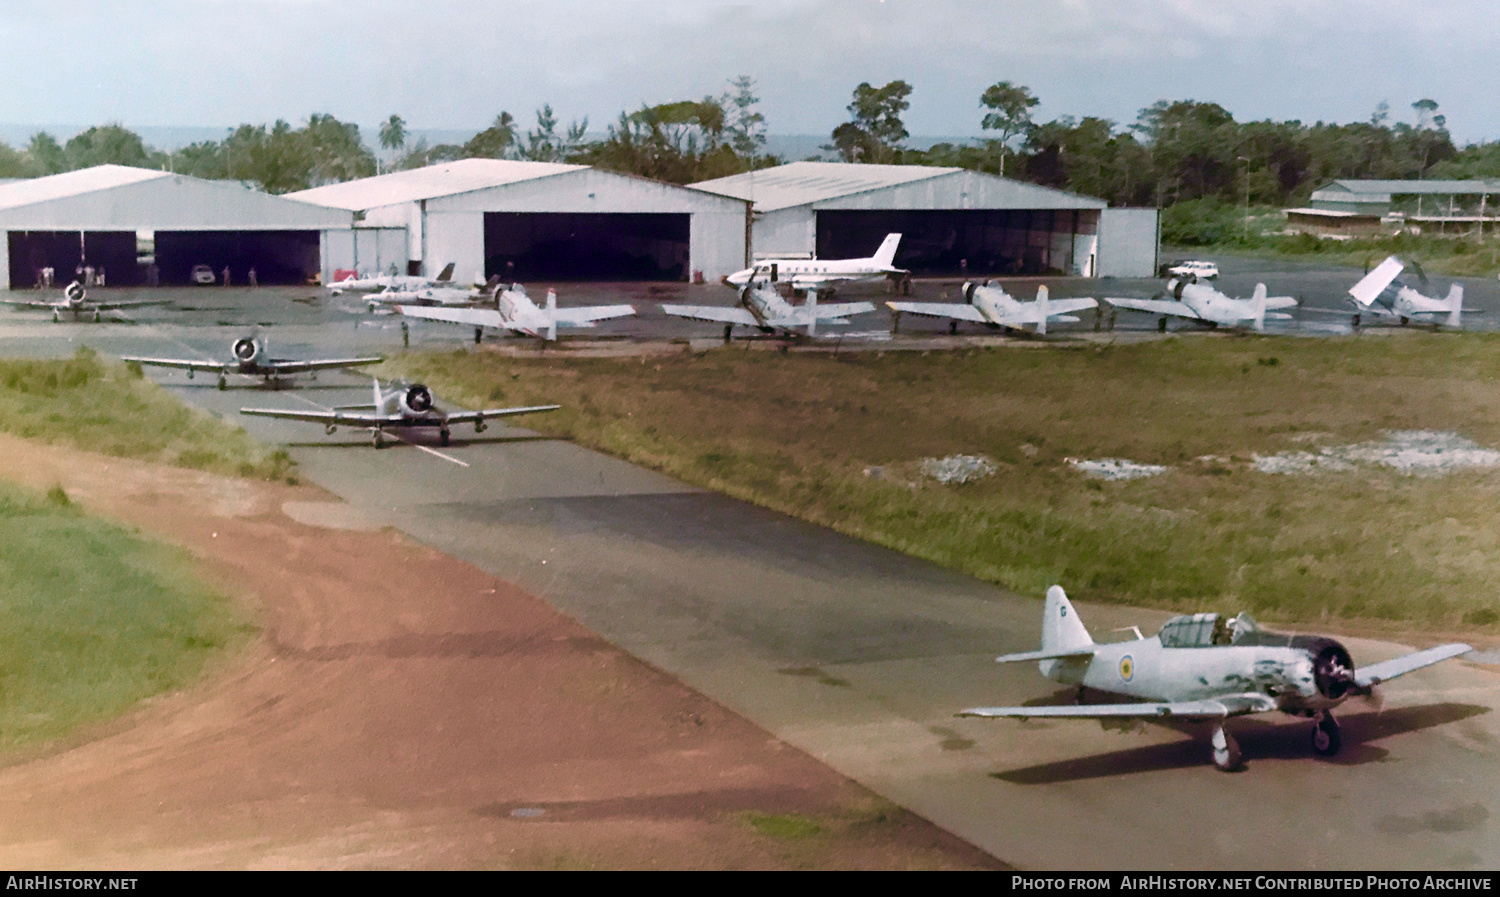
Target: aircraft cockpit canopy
{"points": [[1205, 630]]}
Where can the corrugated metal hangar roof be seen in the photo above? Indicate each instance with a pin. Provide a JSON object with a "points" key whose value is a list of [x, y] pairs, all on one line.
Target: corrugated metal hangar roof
{"points": [[447, 179], [800, 183], [1381, 190], [30, 191]]}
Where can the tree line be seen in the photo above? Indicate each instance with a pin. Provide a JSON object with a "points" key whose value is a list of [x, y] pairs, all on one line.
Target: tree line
{"points": [[1174, 152]]}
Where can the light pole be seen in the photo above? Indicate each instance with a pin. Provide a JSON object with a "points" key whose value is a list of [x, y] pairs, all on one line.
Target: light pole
{"points": [[1246, 160]]}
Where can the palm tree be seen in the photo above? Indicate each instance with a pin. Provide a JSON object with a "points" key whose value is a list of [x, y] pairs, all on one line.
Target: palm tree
{"points": [[393, 133]]}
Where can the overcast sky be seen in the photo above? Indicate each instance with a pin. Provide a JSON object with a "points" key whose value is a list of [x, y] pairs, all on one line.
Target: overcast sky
{"points": [[457, 63]]}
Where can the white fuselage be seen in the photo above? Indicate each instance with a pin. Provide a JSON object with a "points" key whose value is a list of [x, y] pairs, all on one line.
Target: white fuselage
{"points": [[425, 296], [765, 304], [1212, 305], [811, 270]]}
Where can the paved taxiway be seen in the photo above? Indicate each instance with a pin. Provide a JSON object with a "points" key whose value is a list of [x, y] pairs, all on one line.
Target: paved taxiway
{"points": [[858, 654]]}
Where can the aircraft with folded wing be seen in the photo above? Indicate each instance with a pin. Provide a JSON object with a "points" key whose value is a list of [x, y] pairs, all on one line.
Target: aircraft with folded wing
{"points": [[805, 273], [514, 311], [405, 406], [1204, 667], [995, 308], [762, 307], [1382, 293], [76, 302], [1201, 302], [249, 358], [393, 281]]}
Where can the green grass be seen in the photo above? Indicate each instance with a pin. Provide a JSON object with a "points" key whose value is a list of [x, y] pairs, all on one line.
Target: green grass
{"points": [[799, 432], [84, 403], [95, 619], [784, 826]]}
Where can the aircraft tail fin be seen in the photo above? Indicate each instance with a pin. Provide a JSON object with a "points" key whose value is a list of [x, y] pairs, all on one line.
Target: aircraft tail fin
{"points": [[1373, 284], [812, 312], [1455, 305], [1258, 307], [1043, 308], [1062, 631], [551, 315], [886, 254], [447, 273]]}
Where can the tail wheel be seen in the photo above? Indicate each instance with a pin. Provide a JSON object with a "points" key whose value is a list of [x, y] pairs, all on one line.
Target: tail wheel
{"points": [[1326, 740]]}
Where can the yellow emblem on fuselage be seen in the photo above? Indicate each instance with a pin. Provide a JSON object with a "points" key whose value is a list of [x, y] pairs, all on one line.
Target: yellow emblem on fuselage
{"points": [[1127, 667]]}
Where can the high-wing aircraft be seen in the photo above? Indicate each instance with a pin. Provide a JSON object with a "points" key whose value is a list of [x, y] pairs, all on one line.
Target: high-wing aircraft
{"points": [[994, 307], [249, 358], [1381, 293], [1204, 667], [761, 306], [514, 311], [393, 281], [1201, 302], [405, 406], [432, 295], [804, 273], [76, 302]]}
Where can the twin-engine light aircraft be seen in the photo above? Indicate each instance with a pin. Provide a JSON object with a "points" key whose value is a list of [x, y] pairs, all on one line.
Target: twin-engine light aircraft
{"points": [[436, 295], [805, 273], [394, 281], [404, 407], [76, 302], [1201, 302], [514, 311], [249, 358], [994, 307], [1381, 293], [1203, 667], [762, 307]]}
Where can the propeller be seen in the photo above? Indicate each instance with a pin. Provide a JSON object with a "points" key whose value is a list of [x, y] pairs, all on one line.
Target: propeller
{"points": [[1421, 275]]}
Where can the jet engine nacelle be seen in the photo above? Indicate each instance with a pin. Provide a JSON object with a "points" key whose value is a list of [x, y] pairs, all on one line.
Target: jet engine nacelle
{"points": [[417, 399], [246, 350]]}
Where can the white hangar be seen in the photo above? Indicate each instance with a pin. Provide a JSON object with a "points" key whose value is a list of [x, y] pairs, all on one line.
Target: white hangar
{"points": [[953, 221], [532, 221], [120, 219]]}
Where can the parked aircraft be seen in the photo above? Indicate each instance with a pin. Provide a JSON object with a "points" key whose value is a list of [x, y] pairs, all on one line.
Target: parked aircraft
{"points": [[804, 273], [1204, 667], [435, 295], [76, 302], [761, 306], [514, 311], [394, 281], [249, 359], [1381, 293], [1201, 302], [405, 406], [994, 307]]}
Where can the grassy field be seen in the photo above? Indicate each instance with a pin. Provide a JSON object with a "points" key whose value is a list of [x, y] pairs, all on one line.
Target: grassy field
{"points": [[95, 619], [838, 440], [83, 402]]}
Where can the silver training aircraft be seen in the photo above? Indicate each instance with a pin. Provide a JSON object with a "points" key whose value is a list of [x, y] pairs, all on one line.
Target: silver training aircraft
{"points": [[514, 311], [76, 302], [762, 307], [1201, 302], [249, 358], [405, 406], [995, 308], [1204, 667]]}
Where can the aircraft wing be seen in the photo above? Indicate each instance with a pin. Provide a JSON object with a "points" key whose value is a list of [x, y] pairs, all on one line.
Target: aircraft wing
{"points": [[134, 303], [960, 310], [1155, 307], [842, 309], [293, 366], [1384, 671], [585, 316], [1213, 708], [712, 313], [182, 364], [31, 303], [462, 417], [473, 317], [331, 418]]}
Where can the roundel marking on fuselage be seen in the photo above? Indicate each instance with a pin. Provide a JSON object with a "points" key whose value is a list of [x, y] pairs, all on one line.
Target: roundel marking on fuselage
{"points": [[1127, 667]]}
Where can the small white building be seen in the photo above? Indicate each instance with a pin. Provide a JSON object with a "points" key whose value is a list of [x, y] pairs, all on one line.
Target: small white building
{"points": [[127, 220], [953, 221], [531, 221]]}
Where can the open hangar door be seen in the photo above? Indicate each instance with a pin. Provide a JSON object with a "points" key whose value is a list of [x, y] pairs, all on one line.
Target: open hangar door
{"points": [[575, 246], [286, 257], [67, 251], [979, 242]]}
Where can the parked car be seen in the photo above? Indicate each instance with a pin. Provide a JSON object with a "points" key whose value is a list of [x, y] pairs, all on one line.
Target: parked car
{"points": [[1197, 270], [203, 274]]}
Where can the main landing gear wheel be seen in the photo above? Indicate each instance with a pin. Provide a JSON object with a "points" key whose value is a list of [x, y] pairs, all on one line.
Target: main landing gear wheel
{"points": [[1161, 325], [1325, 735], [96, 316], [728, 329], [56, 318], [223, 384], [1355, 322], [953, 328], [1226, 750], [443, 436], [378, 438]]}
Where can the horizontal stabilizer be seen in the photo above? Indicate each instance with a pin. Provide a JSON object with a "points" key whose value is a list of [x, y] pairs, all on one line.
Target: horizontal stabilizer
{"points": [[1384, 671], [1044, 655]]}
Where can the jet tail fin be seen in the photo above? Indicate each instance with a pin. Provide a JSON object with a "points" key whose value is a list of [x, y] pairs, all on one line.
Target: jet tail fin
{"points": [[886, 254], [1043, 309], [1455, 305], [1258, 307], [1374, 283], [447, 273]]}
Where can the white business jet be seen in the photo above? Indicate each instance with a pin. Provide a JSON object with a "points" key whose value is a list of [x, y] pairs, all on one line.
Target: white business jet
{"points": [[805, 273]]}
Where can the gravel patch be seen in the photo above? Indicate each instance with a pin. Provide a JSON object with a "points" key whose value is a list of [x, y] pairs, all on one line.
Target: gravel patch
{"points": [[1407, 451], [1117, 469], [957, 469]]}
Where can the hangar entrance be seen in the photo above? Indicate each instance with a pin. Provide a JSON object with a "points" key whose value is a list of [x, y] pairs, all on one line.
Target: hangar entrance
{"points": [[600, 246], [67, 252], [961, 242], [286, 257]]}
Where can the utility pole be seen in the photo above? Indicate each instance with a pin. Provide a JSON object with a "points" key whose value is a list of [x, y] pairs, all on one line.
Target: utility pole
{"points": [[1246, 160]]}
